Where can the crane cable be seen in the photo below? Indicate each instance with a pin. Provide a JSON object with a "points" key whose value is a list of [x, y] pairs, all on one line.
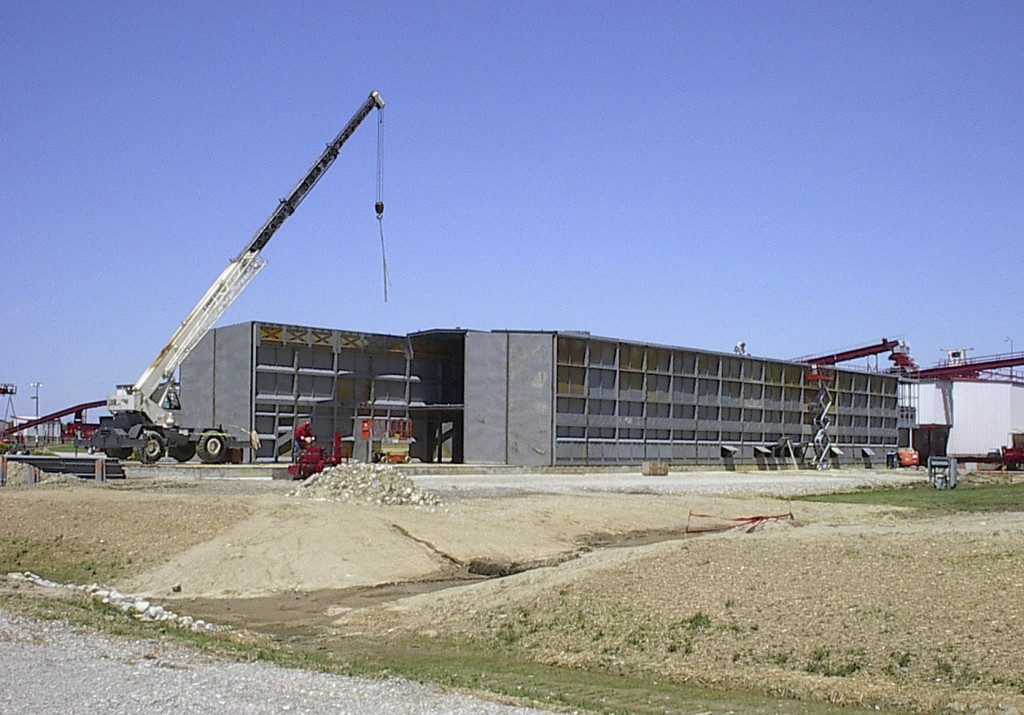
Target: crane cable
{"points": [[379, 206]]}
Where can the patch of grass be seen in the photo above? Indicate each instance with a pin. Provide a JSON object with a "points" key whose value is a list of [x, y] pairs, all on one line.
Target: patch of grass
{"points": [[510, 631], [991, 497], [79, 536], [67, 560], [685, 648], [697, 621], [947, 670], [901, 660], [637, 639], [507, 635], [821, 662]]}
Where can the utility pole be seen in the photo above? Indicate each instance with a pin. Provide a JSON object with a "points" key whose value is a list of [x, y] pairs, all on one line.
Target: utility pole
{"points": [[1010, 341]]}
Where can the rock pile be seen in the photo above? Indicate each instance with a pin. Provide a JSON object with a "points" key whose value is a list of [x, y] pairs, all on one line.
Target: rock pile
{"points": [[137, 607], [358, 483]]}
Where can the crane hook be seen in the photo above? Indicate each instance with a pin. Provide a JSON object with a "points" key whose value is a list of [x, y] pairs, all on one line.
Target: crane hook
{"points": [[379, 206]]}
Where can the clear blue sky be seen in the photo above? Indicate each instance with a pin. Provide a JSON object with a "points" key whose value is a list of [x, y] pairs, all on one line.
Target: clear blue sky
{"points": [[800, 176]]}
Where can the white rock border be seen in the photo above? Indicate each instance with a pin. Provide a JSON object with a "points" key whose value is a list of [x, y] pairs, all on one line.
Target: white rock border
{"points": [[137, 607]]}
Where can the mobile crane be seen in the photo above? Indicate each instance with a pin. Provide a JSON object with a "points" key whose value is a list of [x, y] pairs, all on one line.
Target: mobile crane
{"points": [[144, 417]]}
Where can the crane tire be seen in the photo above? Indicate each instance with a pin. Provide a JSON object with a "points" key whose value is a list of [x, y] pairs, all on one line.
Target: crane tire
{"points": [[182, 452], [213, 447], [154, 447]]}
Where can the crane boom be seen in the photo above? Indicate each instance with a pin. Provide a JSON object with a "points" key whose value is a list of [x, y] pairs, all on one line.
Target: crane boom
{"points": [[287, 206], [153, 394]]}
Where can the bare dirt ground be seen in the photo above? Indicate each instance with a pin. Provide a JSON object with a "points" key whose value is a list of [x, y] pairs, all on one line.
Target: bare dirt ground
{"points": [[847, 604]]}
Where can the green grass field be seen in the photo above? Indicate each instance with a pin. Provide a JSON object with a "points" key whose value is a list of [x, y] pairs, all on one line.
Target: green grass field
{"points": [[966, 497]]}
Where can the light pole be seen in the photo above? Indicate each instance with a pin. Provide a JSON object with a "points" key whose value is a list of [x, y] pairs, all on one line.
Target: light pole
{"points": [[1010, 341], [35, 397]]}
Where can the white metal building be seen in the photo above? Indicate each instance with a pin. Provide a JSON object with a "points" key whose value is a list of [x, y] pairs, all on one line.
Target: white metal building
{"points": [[978, 417]]}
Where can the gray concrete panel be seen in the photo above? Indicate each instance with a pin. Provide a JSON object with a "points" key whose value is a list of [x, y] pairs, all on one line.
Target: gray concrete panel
{"points": [[196, 375], [486, 404], [233, 377], [531, 367]]}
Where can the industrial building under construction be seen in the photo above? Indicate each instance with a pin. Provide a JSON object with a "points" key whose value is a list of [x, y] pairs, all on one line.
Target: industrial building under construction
{"points": [[526, 398], [543, 398]]}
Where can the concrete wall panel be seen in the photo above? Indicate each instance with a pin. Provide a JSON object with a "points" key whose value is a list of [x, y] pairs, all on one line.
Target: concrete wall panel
{"points": [[486, 404], [530, 398], [233, 377], [196, 375]]}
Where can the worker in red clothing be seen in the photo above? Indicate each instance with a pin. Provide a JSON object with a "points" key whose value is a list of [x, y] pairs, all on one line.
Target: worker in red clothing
{"points": [[303, 438]]}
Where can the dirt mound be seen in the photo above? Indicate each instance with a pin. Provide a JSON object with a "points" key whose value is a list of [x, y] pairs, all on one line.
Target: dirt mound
{"points": [[23, 475], [358, 483], [18, 475], [926, 617]]}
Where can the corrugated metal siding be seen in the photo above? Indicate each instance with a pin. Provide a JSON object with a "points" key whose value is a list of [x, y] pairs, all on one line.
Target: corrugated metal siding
{"points": [[1017, 409], [930, 409], [981, 417]]}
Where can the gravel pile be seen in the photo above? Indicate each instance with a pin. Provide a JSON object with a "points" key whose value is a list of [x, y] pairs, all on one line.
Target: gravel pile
{"points": [[54, 667], [358, 483]]}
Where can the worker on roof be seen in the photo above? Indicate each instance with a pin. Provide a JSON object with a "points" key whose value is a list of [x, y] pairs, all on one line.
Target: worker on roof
{"points": [[304, 438]]}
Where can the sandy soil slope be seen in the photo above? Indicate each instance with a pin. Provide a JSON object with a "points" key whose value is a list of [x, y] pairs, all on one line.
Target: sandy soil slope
{"points": [[875, 606]]}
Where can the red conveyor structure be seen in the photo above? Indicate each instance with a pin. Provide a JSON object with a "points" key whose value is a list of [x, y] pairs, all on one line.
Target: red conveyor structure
{"points": [[973, 369], [851, 354], [78, 411], [898, 351]]}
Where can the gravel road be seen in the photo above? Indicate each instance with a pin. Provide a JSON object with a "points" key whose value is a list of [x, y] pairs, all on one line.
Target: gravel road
{"points": [[760, 483], [54, 667]]}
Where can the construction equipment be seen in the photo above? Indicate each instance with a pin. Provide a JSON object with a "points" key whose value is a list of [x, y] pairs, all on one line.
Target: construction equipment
{"points": [[145, 415], [1005, 458], [390, 439], [820, 371], [313, 460], [824, 450]]}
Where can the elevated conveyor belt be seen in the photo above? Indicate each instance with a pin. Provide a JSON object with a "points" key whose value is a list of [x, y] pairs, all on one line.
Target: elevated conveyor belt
{"points": [[53, 416]]}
